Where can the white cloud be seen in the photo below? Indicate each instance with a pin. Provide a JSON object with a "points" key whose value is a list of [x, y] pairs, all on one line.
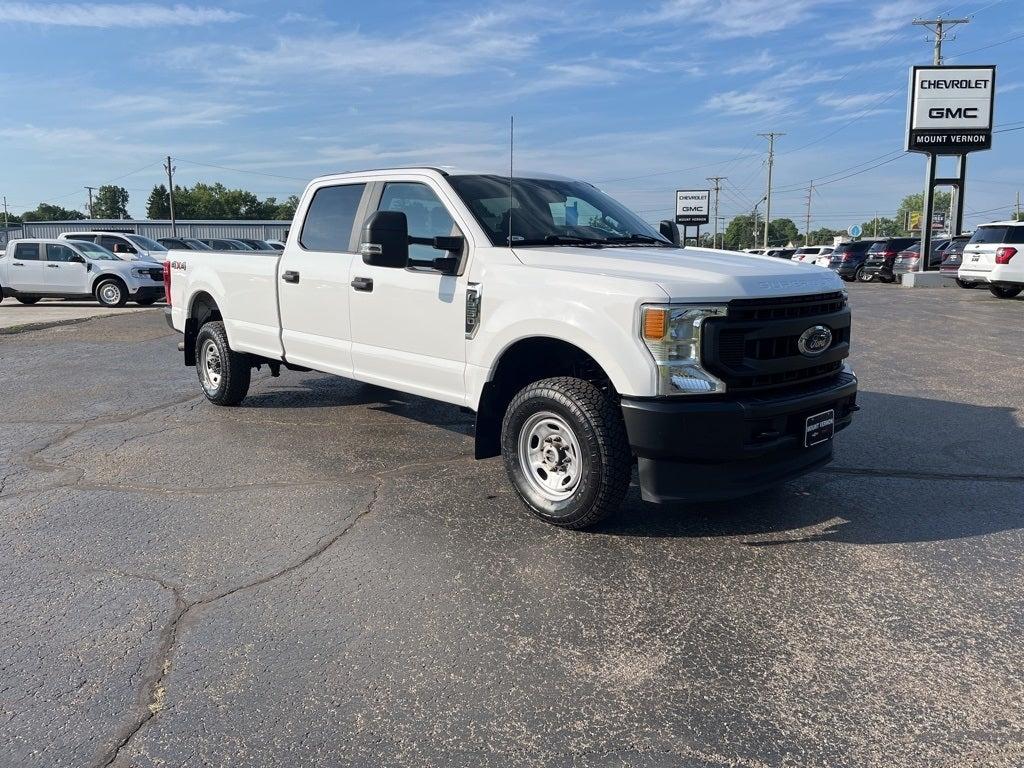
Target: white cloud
{"points": [[106, 15], [885, 20], [760, 63], [728, 18], [747, 103], [851, 102], [350, 55]]}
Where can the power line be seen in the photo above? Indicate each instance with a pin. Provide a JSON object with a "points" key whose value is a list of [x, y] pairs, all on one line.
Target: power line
{"points": [[940, 28], [240, 170]]}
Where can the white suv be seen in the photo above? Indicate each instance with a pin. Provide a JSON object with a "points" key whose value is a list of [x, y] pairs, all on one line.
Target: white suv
{"points": [[995, 255], [126, 245]]}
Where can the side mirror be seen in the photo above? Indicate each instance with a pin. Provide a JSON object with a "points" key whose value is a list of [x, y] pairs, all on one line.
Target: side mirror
{"points": [[453, 245], [77, 259], [670, 229], [385, 240]]}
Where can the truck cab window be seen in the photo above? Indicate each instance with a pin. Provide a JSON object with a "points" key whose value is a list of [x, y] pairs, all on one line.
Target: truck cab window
{"points": [[27, 252], [329, 220], [426, 214]]}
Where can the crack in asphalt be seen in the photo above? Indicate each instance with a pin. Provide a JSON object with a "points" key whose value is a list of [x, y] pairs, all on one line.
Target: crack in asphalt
{"points": [[153, 693]]}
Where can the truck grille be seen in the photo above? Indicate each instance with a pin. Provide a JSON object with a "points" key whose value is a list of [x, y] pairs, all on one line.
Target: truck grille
{"points": [[755, 346]]}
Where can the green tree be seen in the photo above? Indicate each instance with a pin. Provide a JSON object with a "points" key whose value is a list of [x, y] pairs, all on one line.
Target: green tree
{"points": [[916, 202], [111, 202], [739, 234], [825, 236], [783, 231], [882, 227], [51, 212], [157, 204]]}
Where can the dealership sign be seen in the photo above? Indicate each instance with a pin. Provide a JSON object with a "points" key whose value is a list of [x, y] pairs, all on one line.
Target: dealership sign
{"points": [[949, 111], [693, 206]]}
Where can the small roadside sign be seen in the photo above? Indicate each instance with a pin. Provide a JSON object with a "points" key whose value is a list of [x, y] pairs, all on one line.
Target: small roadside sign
{"points": [[856, 230]]}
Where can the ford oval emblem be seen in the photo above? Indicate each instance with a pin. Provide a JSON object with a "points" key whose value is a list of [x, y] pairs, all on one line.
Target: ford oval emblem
{"points": [[814, 341]]}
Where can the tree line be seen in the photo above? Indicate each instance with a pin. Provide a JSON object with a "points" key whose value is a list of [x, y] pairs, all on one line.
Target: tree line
{"points": [[200, 201], [744, 232]]}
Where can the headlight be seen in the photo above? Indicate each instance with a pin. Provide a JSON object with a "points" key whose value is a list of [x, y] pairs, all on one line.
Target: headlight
{"points": [[141, 273], [672, 333]]}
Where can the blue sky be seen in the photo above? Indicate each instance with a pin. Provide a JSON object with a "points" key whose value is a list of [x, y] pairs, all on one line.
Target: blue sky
{"points": [[642, 97]]}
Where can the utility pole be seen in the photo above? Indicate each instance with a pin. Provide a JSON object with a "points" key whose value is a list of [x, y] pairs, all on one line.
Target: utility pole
{"points": [[170, 193], [807, 222], [1018, 208], [940, 28], [7, 226], [90, 200], [876, 223], [771, 136], [717, 181]]}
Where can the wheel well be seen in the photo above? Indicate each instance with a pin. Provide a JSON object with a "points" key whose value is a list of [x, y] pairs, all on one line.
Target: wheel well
{"points": [[523, 363], [100, 278], [202, 309]]}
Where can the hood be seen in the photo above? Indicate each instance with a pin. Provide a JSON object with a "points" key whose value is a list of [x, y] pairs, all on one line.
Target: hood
{"points": [[690, 274]]}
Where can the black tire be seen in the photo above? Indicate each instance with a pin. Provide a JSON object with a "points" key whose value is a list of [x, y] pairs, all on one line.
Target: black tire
{"points": [[964, 284], [108, 296], [858, 276], [28, 300], [1005, 291], [224, 378], [597, 438], [145, 302]]}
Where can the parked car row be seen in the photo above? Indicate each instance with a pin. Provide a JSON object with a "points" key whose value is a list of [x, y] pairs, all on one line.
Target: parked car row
{"points": [[220, 244]]}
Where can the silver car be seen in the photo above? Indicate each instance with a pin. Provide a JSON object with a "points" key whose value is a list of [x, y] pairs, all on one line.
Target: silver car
{"points": [[37, 268]]}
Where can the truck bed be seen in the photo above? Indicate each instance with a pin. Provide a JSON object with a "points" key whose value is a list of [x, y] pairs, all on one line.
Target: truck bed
{"points": [[246, 281]]}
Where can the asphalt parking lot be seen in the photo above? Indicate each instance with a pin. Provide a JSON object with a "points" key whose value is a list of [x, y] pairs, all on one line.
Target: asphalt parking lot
{"points": [[324, 576]]}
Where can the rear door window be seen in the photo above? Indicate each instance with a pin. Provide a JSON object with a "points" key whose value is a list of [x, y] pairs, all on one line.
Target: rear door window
{"points": [[330, 218], [27, 252]]}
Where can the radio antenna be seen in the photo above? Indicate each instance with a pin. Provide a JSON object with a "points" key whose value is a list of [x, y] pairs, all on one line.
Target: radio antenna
{"points": [[511, 157]]}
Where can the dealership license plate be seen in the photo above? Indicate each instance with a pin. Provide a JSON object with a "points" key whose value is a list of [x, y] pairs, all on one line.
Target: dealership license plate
{"points": [[819, 428]]}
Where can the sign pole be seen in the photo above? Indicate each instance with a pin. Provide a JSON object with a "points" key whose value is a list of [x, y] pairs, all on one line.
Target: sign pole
{"points": [[957, 226], [928, 205]]}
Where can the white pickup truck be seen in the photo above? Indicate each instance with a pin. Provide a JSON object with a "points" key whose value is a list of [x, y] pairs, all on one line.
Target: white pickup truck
{"points": [[581, 337]]}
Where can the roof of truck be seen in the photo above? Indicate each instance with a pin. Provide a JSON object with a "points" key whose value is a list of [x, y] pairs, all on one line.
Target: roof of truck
{"points": [[450, 170]]}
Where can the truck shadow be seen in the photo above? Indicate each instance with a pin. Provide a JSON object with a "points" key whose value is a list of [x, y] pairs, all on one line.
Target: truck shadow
{"points": [[908, 470], [324, 392]]}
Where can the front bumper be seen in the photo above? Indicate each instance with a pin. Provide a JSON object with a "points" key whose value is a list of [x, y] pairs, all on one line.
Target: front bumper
{"points": [[718, 449], [148, 292]]}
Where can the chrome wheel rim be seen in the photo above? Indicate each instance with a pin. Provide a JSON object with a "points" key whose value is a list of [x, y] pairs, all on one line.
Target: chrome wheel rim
{"points": [[110, 293], [550, 456], [210, 366]]}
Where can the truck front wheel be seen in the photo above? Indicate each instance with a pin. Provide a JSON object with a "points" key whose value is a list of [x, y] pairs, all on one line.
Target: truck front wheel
{"points": [[223, 373], [566, 451]]}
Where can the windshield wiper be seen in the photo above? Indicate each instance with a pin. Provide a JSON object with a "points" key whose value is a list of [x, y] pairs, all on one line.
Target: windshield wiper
{"points": [[583, 242], [638, 238]]}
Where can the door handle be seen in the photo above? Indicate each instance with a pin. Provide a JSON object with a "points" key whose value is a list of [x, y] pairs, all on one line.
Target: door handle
{"points": [[17, 264], [290, 276], [53, 266], [363, 284]]}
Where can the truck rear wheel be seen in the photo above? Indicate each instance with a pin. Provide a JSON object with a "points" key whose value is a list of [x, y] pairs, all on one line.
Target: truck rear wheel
{"points": [[566, 451], [223, 373]]}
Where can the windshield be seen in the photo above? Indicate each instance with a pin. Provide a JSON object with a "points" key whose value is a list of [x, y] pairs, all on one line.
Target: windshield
{"points": [[93, 251], [145, 243], [197, 245], [551, 211]]}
